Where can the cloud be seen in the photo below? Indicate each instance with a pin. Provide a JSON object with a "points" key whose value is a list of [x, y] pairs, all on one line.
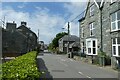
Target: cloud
{"points": [[48, 25], [73, 10]]}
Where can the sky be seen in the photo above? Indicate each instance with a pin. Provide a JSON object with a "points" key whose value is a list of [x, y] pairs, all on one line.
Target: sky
{"points": [[48, 17]]}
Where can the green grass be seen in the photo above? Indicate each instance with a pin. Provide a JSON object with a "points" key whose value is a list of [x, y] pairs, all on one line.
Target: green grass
{"points": [[23, 67]]}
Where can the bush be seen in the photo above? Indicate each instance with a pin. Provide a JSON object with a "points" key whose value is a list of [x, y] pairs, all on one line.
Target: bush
{"points": [[23, 67], [96, 60], [83, 55]]}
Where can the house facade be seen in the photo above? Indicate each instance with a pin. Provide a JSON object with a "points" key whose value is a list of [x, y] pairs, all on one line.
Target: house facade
{"points": [[99, 30], [71, 39], [17, 41]]}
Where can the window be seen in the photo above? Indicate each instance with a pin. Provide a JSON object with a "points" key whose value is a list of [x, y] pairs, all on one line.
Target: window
{"points": [[82, 47], [91, 46], [91, 26], [82, 33], [115, 21], [116, 47], [91, 10]]}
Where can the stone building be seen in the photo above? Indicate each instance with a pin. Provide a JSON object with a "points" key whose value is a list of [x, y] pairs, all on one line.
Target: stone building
{"points": [[30, 35], [99, 30], [63, 43], [41, 45], [17, 41]]}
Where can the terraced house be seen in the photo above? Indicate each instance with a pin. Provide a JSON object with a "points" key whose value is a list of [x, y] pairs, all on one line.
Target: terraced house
{"points": [[17, 41], [100, 30]]}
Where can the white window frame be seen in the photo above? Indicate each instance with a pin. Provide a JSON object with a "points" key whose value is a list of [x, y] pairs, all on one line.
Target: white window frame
{"points": [[82, 33], [116, 22], [91, 47], [82, 47], [91, 26], [91, 10], [116, 45]]}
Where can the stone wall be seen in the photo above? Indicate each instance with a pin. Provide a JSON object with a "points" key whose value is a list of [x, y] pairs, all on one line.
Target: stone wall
{"points": [[108, 8]]}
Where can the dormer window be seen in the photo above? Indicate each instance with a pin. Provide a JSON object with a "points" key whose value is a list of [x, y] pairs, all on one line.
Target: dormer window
{"points": [[91, 10]]}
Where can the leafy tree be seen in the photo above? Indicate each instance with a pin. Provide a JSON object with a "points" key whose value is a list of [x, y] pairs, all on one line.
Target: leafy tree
{"points": [[54, 43], [58, 36]]}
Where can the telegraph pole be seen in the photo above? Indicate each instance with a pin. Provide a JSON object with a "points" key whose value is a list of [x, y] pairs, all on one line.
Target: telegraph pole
{"points": [[38, 35], [68, 38]]}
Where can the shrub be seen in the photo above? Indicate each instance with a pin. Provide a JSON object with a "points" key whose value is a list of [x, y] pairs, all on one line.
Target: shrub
{"points": [[23, 67]]}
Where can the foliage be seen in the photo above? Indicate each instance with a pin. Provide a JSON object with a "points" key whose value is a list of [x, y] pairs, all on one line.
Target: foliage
{"points": [[55, 40], [23, 67], [50, 47], [54, 43], [102, 54]]}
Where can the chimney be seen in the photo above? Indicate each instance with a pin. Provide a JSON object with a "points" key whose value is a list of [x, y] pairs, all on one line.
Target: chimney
{"points": [[23, 23], [11, 26]]}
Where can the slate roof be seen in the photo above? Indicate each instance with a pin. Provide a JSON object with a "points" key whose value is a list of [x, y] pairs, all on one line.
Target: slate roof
{"points": [[70, 38]]}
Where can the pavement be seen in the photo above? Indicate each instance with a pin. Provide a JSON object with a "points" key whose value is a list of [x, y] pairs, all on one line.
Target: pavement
{"points": [[60, 67]]}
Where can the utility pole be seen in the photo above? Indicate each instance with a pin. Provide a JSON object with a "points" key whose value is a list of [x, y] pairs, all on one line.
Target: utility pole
{"points": [[38, 35], [68, 38]]}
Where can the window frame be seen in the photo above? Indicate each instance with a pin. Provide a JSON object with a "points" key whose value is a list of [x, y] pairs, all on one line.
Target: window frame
{"points": [[82, 33], [91, 26], [116, 45], [92, 10], [91, 46], [115, 22]]}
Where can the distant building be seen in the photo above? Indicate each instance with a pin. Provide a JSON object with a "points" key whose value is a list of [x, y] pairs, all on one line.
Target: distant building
{"points": [[31, 36], [63, 43], [17, 41], [41, 45], [45, 46]]}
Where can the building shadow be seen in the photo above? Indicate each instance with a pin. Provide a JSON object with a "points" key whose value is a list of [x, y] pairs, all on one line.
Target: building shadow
{"points": [[45, 74]]}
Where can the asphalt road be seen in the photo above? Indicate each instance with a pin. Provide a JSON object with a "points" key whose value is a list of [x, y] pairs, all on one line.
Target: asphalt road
{"points": [[59, 66]]}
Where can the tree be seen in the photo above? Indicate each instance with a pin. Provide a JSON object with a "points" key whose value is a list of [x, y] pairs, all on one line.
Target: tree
{"points": [[54, 43], [55, 40]]}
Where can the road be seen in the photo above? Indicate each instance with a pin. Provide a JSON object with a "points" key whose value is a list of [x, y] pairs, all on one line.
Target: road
{"points": [[59, 66]]}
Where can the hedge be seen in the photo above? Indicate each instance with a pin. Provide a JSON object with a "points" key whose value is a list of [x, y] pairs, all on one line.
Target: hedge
{"points": [[23, 67]]}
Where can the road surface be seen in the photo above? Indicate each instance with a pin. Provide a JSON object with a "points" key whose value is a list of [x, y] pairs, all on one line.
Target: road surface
{"points": [[59, 66]]}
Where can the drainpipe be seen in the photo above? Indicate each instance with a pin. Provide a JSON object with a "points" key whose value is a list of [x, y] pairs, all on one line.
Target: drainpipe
{"points": [[101, 49]]}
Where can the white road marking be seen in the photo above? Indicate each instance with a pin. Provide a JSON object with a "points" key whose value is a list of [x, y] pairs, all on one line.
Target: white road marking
{"points": [[71, 60], [88, 76], [84, 74], [81, 73]]}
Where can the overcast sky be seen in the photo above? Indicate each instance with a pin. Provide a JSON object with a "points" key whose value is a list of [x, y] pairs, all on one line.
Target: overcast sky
{"points": [[48, 17]]}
